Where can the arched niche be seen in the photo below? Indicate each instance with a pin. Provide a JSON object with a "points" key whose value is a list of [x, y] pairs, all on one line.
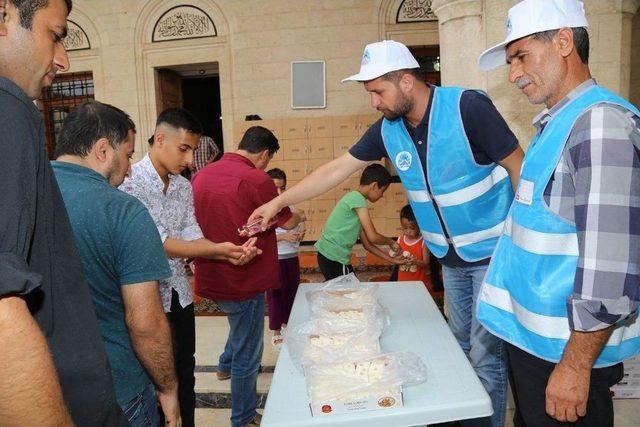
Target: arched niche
{"points": [[411, 22], [83, 44], [183, 22], [201, 37], [77, 38], [415, 11]]}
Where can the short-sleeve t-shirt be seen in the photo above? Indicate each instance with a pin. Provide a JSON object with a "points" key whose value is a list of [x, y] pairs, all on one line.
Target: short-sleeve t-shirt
{"points": [[39, 260], [490, 140], [119, 245], [225, 193], [342, 228]]}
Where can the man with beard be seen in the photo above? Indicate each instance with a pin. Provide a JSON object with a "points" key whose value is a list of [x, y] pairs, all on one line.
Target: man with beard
{"points": [[563, 286], [458, 161], [122, 257], [54, 368]]}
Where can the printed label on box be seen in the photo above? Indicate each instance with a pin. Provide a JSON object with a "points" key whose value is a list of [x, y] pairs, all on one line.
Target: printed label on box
{"points": [[625, 393], [345, 406]]}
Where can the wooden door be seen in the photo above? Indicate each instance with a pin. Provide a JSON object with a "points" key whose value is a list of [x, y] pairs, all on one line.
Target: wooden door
{"points": [[429, 59], [168, 90]]}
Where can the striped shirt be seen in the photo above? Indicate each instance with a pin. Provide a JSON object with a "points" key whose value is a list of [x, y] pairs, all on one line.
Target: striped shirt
{"points": [[596, 186]]}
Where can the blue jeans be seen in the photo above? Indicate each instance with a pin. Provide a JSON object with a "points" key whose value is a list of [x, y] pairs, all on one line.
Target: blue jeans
{"points": [[242, 355], [485, 352], [142, 410]]}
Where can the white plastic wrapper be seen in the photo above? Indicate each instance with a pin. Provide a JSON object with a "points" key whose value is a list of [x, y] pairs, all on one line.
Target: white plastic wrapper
{"points": [[353, 319], [346, 300], [370, 377], [343, 293], [325, 341]]}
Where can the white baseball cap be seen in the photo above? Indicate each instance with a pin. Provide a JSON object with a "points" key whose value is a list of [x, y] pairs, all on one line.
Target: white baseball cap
{"points": [[530, 17], [381, 58]]}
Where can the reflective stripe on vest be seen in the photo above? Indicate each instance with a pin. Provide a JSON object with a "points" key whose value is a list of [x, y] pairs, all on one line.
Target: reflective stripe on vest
{"points": [[472, 199], [524, 296], [541, 243]]}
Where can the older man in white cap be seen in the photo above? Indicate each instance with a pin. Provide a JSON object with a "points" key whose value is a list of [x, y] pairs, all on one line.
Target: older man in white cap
{"points": [[563, 285], [454, 154]]}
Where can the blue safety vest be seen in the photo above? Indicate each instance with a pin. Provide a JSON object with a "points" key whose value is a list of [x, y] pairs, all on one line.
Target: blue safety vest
{"points": [[523, 299], [472, 199]]}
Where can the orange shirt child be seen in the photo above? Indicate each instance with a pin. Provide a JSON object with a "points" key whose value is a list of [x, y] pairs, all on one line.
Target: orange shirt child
{"points": [[412, 245]]}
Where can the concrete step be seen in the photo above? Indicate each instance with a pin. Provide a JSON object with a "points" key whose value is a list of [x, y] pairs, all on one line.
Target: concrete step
{"points": [[207, 382], [222, 400], [211, 337], [208, 417]]}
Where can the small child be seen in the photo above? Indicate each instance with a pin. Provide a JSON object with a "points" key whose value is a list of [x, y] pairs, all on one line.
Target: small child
{"points": [[349, 220], [413, 247], [280, 301]]}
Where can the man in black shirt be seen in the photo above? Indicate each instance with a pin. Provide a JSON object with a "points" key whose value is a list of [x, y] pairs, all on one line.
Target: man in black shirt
{"points": [[54, 368], [458, 162]]}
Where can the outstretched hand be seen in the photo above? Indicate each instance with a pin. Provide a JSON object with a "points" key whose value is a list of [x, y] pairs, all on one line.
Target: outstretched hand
{"points": [[398, 260], [240, 255], [267, 212], [290, 237]]}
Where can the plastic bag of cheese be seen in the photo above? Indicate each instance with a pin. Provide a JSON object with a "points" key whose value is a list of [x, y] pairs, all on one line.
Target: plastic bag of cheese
{"points": [[327, 341], [343, 293], [368, 377]]}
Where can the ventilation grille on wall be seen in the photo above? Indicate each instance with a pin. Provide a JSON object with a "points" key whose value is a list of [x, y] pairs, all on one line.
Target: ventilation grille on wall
{"points": [[308, 84]]}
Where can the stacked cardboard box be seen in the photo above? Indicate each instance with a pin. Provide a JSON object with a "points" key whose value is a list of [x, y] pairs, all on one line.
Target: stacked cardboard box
{"points": [[629, 387]]}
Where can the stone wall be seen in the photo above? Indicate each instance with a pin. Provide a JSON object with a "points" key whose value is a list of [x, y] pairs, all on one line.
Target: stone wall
{"points": [[258, 39], [634, 85], [467, 27]]}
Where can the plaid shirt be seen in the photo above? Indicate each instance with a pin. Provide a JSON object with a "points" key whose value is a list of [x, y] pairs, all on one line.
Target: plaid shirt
{"points": [[205, 153], [596, 185]]}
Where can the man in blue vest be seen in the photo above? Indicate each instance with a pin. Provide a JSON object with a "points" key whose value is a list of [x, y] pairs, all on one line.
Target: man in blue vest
{"points": [[562, 289], [458, 162]]}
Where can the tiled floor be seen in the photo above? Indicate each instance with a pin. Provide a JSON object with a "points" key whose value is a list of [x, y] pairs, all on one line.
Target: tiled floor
{"points": [[211, 335]]}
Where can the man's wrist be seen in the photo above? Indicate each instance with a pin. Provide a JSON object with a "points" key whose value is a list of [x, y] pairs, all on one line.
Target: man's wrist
{"points": [[278, 204], [583, 349], [169, 389], [215, 250], [578, 363]]}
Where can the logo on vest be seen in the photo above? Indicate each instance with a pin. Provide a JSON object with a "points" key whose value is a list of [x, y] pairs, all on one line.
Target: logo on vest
{"points": [[403, 160]]}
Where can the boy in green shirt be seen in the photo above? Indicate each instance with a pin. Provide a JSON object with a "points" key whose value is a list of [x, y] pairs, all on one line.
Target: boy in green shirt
{"points": [[349, 220]]}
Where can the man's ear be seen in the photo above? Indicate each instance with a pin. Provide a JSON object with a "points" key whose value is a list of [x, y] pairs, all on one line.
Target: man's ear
{"points": [[99, 150], [406, 82], [159, 138], [564, 41], [3, 16]]}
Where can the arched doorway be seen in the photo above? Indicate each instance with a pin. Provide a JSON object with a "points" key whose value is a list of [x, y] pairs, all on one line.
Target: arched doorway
{"points": [[183, 60]]}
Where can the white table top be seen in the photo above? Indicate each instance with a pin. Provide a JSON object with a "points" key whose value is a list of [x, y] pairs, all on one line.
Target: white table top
{"points": [[452, 391]]}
